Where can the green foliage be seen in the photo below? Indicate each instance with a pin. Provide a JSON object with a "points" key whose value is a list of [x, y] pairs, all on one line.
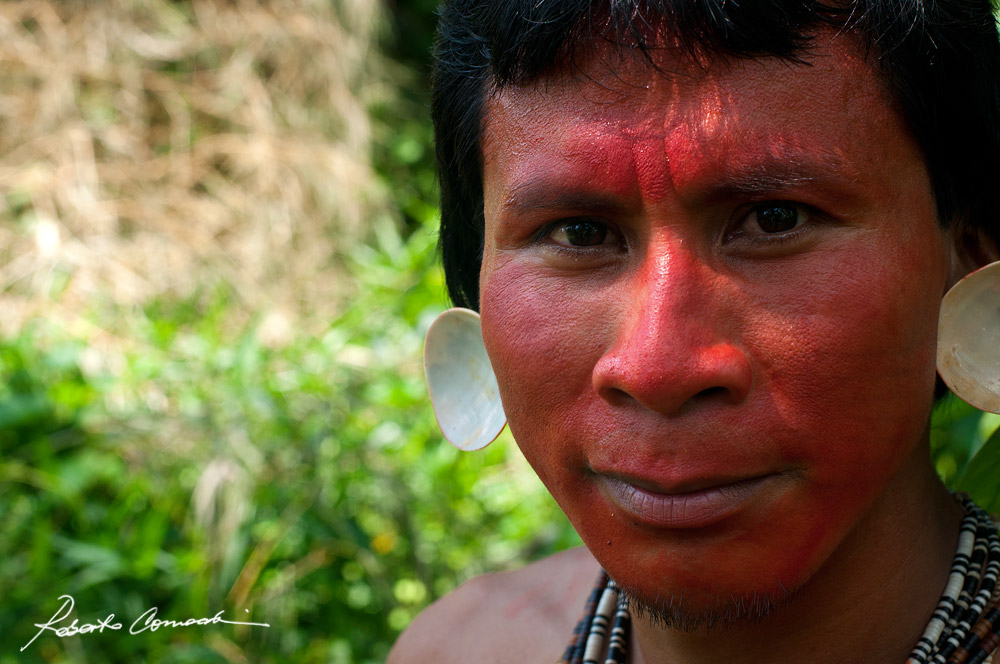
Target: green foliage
{"points": [[958, 433], [980, 477], [305, 486]]}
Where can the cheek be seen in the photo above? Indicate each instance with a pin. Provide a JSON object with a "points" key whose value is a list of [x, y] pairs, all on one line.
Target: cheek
{"points": [[543, 345], [852, 368]]}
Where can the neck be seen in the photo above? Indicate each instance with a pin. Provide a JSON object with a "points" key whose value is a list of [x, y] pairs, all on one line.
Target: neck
{"points": [[868, 603]]}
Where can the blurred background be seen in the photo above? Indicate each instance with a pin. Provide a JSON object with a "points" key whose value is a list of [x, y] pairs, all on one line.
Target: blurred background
{"points": [[217, 262]]}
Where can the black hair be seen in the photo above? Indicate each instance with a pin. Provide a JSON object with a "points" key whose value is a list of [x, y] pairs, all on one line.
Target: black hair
{"points": [[940, 60]]}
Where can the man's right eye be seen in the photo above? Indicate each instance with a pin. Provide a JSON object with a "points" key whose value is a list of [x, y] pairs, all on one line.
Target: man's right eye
{"points": [[580, 233]]}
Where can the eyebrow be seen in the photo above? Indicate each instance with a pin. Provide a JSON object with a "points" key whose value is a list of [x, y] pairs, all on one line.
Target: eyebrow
{"points": [[552, 193], [760, 177], [777, 173]]}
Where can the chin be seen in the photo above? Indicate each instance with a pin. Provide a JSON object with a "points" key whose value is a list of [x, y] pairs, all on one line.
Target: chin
{"points": [[694, 612], [730, 574]]}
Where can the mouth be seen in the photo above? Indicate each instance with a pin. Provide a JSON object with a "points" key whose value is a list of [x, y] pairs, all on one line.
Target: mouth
{"points": [[687, 505]]}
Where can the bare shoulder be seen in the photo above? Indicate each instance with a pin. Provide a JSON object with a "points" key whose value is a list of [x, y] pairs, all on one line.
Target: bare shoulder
{"points": [[527, 614]]}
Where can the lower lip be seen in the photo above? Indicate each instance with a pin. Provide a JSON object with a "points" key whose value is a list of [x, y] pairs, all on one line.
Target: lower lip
{"points": [[696, 509]]}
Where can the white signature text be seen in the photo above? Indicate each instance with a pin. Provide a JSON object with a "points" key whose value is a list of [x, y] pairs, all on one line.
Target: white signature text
{"points": [[146, 622]]}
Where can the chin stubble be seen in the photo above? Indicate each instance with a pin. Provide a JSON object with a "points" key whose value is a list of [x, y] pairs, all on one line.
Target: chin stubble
{"points": [[724, 613]]}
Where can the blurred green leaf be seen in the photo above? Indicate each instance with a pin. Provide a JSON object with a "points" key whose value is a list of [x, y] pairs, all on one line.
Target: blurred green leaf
{"points": [[980, 479]]}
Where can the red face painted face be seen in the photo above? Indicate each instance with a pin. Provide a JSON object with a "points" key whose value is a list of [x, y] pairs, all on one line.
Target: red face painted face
{"points": [[710, 297]]}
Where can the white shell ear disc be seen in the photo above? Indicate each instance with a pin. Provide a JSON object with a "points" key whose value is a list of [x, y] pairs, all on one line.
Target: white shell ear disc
{"points": [[461, 382], [968, 356]]}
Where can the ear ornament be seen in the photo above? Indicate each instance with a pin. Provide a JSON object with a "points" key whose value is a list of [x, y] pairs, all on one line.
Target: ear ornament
{"points": [[968, 353], [461, 381]]}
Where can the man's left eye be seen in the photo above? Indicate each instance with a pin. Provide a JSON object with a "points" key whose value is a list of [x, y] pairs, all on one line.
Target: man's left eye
{"points": [[580, 233], [777, 216]]}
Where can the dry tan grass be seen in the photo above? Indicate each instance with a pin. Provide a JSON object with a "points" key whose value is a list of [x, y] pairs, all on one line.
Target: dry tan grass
{"points": [[151, 148]]}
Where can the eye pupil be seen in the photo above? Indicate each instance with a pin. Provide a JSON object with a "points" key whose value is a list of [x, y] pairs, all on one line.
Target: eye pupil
{"points": [[777, 217], [585, 233]]}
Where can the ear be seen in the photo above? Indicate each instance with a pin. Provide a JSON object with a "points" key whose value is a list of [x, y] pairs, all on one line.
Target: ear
{"points": [[972, 248]]}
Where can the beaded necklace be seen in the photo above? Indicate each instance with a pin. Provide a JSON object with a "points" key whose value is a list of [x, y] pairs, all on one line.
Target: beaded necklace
{"points": [[964, 629]]}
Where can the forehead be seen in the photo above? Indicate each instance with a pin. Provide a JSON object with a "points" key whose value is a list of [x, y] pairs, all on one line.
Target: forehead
{"points": [[620, 118]]}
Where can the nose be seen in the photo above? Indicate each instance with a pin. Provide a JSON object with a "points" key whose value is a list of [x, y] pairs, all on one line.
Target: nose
{"points": [[674, 347]]}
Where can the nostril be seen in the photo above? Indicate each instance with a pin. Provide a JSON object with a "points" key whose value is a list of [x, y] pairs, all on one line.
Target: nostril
{"points": [[712, 393], [615, 395]]}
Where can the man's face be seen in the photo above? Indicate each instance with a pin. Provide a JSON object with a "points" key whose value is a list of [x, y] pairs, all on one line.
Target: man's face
{"points": [[710, 296]]}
